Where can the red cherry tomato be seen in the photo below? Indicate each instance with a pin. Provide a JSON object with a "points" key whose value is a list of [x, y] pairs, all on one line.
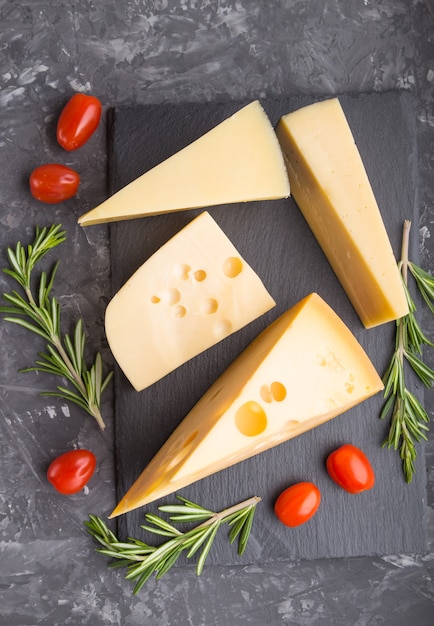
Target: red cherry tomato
{"points": [[71, 471], [53, 183], [78, 121], [350, 468], [297, 504]]}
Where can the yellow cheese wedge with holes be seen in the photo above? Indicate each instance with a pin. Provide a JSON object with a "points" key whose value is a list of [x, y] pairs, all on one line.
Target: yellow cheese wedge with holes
{"points": [[304, 369], [192, 293], [330, 185], [238, 160]]}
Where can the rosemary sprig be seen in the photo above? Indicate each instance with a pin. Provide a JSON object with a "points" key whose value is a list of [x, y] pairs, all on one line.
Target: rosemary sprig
{"points": [[39, 312], [408, 418], [143, 560]]}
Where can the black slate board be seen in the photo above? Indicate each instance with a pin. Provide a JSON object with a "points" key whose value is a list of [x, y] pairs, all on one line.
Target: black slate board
{"points": [[275, 240]]}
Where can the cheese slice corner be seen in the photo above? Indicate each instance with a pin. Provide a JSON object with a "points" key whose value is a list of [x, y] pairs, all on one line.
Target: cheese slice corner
{"points": [[193, 292], [301, 371], [239, 160], [331, 187]]}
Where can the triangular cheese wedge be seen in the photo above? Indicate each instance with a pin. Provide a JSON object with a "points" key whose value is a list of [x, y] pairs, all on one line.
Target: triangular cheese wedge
{"points": [[193, 292], [239, 160], [331, 187], [304, 369]]}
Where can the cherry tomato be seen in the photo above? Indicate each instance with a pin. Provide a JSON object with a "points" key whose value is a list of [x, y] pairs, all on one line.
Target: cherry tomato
{"points": [[350, 468], [53, 183], [78, 121], [71, 471], [297, 504]]}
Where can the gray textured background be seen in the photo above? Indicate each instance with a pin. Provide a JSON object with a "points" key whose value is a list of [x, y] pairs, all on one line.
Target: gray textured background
{"points": [[133, 52]]}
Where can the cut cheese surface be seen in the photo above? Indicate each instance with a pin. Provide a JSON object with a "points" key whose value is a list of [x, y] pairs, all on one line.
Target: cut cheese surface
{"points": [[238, 160], [192, 293], [304, 369], [331, 187]]}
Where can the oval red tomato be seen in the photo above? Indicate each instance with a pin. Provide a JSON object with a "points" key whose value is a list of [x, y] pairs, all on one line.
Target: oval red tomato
{"points": [[297, 504], [71, 471], [78, 121], [53, 183], [351, 469]]}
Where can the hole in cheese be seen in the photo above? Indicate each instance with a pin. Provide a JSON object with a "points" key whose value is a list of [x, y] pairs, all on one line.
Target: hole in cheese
{"points": [[209, 306], [179, 311], [199, 275], [171, 296], [251, 419], [232, 266], [276, 391], [182, 271]]}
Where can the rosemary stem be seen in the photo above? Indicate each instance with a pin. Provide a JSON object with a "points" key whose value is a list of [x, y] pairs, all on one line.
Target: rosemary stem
{"points": [[404, 249], [218, 517], [404, 272], [39, 312]]}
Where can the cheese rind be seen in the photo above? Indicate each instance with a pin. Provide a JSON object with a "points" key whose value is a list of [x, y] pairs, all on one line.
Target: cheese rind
{"points": [[331, 187], [238, 160], [304, 369], [192, 293]]}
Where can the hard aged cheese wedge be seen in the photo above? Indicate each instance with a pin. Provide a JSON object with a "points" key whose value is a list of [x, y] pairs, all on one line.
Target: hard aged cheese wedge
{"points": [[330, 185], [237, 161], [193, 292], [304, 369]]}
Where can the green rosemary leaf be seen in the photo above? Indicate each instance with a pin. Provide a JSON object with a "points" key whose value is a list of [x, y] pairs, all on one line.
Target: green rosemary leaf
{"points": [[236, 529], [97, 367], [131, 547], [423, 371], [28, 326], [50, 284], [118, 563], [159, 531], [69, 397], [76, 362], [392, 378], [189, 503], [143, 579], [199, 539], [417, 407], [16, 269], [245, 531], [160, 523], [107, 379], [165, 565], [206, 549], [10, 310], [425, 283], [17, 300], [184, 509], [42, 300], [54, 360], [416, 338], [387, 407], [235, 517]]}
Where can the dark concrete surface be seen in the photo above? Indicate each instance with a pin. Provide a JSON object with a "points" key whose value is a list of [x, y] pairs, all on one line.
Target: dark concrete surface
{"points": [[134, 52]]}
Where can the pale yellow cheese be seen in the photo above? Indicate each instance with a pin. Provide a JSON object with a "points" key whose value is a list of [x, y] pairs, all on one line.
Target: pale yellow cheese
{"points": [[238, 160], [193, 292], [304, 369], [330, 185]]}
